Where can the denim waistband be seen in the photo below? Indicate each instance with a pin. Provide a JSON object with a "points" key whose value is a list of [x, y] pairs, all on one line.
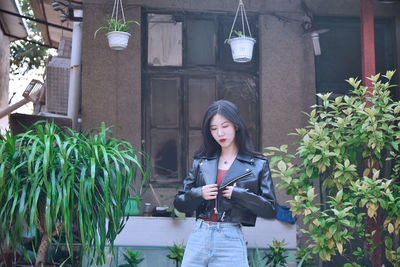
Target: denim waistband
{"points": [[202, 222]]}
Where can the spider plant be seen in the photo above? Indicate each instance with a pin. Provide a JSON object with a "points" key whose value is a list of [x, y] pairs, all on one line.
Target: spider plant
{"points": [[116, 25], [55, 179]]}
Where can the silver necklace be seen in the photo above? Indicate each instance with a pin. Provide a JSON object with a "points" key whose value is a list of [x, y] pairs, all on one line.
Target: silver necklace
{"points": [[225, 161]]}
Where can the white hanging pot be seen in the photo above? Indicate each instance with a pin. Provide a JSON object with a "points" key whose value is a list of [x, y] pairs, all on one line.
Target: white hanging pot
{"points": [[242, 48], [118, 40]]}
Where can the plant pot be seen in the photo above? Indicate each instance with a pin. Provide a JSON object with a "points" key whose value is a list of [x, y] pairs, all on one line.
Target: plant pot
{"points": [[132, 207], [118, 40], [242, 48]]}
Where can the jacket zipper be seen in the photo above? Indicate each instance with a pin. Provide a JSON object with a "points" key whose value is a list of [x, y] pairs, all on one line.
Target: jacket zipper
{"points": [[221, 187]]}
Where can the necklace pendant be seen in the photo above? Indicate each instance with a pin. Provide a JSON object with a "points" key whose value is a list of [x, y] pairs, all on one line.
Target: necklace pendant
{"points": [[225, 162]]}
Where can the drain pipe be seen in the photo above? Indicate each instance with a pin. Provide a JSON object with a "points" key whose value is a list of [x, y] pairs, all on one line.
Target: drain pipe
{"points": [[75, 71]]}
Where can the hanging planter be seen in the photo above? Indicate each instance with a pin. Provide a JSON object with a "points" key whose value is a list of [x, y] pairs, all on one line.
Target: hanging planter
{"points": [[118, 40], [117, 29], [241, 45]]}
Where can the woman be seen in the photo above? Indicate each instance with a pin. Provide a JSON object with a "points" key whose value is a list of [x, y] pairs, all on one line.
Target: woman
{"points": [[229, 185]]}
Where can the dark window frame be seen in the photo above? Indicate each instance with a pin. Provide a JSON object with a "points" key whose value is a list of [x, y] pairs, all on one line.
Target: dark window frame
{"points": [[189, 71]]}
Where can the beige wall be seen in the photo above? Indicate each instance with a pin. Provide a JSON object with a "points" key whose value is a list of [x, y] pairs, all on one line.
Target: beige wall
{"points": [[111, 81]]}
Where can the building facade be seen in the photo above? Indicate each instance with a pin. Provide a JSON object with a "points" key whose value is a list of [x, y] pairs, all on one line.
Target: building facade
{"points": [[177, 63]]}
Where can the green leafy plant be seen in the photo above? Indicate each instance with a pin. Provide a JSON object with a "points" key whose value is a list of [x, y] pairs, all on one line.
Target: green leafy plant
{"points": [[276, 256], [237, 34], [116, 25], [177, 252], [347, 144], [132, 259], [304, 258], [26, 55], [56, 180], [257, 260]]}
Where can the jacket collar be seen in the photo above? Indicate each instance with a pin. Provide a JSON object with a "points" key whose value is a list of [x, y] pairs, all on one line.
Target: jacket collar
{"points": [[240, 156], [238, 167]]}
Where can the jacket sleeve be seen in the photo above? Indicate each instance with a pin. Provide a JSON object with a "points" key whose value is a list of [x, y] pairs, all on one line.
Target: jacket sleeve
{"points": [[262, 204], [189, 196]]}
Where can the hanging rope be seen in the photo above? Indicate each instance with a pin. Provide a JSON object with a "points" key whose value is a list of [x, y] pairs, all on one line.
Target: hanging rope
{"points": [[117, 5], [244, 18]]}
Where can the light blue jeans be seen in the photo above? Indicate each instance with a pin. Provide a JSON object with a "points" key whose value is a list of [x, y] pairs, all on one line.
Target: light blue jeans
{"points": [[215, 244]]}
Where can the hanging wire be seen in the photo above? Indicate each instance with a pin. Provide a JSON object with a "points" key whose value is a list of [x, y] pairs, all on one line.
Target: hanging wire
{"points": [[117, 5], [122, 11], [242, 14]]}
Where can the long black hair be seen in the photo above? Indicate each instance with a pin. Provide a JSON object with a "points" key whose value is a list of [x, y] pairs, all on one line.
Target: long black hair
{"points": [[242, 138]]}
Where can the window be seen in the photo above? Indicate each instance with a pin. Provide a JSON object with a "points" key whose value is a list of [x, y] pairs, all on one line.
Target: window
{"points": [[187, 66], [341, 52]]}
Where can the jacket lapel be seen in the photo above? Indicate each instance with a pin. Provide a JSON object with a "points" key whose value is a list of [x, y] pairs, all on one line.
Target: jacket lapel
{"points": [[238, 168], [209, 168]]}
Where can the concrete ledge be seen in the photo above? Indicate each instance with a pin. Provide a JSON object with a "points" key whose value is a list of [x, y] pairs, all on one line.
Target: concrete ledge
{"points": [[163, 232]]}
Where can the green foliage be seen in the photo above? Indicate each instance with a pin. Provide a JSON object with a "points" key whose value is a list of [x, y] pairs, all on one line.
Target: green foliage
{"points": [[177, 252], [258, 261], [177, 214], [25, 55], [347, 142], [57, 180], [276, 256], [132, 259], [304, 257], [238, 34], [116, 25]]}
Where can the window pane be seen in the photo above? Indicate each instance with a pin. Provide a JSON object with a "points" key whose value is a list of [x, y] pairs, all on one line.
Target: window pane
{"points": [[195, 141], [165, 102], [165, 41], [201, 42], [341, 54], [201, 95], [241, 89], [165, 155]]}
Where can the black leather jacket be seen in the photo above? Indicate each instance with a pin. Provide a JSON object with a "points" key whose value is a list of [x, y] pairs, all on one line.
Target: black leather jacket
{"points": [[253, 196]]}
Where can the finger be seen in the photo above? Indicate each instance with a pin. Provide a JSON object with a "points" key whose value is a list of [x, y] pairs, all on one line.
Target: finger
{"points": [[228, 196], [235, 184]]}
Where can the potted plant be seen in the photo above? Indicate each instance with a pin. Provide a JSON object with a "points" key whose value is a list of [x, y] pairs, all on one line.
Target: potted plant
{"points": [[241, 44], [65, 183], [242, 47], [117, 32]]}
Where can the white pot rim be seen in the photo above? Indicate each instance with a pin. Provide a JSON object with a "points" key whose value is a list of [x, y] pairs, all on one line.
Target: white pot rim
{"points": [[242, 38], [118, 32]]}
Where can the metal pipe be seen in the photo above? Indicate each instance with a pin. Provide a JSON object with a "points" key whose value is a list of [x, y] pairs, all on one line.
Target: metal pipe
{"points": [[13, 107], [75, 74]]}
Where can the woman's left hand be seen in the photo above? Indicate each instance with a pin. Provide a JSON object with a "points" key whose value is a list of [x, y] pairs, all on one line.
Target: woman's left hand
{"points": [[227, 193]]}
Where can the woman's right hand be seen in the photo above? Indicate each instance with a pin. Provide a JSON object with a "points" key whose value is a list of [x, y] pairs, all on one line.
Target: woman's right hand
{"points": [[209, 191]]}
